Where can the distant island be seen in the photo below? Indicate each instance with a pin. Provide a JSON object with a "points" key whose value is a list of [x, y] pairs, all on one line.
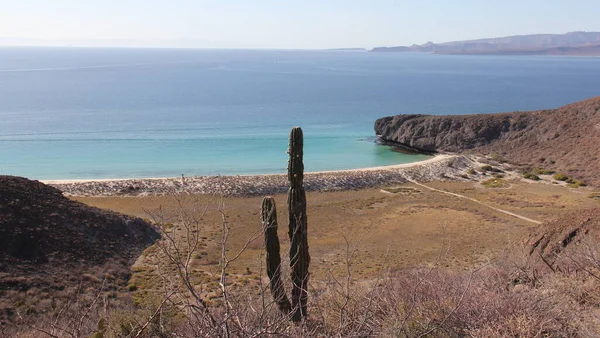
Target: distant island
{"points": [[348, 49], [573, 43]]}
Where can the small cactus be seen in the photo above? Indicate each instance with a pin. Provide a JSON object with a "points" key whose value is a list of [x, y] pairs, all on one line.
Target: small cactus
{"points": [[269, 218]]}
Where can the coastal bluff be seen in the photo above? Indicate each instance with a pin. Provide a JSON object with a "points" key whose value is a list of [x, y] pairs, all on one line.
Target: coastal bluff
{"points": [[564, 139]]}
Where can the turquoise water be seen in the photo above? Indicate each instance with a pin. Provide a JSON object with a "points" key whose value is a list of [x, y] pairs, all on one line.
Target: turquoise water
{"points": [[109, 113]]}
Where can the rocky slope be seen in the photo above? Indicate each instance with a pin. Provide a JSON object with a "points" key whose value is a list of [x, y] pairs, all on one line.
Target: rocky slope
{"points": [[564, 139], [51, 247], [573, 233]]}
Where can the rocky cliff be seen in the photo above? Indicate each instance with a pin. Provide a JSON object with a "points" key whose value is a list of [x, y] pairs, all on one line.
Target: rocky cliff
{"points": [[564, 139]]}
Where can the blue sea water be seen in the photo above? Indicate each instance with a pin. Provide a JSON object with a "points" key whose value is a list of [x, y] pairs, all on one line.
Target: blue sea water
{"points": [[68, 113]]}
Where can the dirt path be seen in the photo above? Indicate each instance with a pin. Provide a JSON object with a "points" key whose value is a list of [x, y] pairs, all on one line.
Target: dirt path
{"points": [[474, 200]]}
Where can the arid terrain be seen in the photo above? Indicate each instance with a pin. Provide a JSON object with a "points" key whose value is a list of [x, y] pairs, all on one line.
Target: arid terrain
{"points": [[416, 226], [481, 214], [485, 243]]}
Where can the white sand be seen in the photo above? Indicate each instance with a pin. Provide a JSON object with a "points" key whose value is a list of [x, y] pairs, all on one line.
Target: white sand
{"points": [[441, 167], [434, 159]]}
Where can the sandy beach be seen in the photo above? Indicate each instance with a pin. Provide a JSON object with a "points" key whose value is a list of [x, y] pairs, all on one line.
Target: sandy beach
{"points": [[440, 167]]}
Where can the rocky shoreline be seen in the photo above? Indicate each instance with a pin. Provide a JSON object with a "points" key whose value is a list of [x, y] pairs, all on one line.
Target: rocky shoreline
{"points": [[564, 140], [443, 167]]}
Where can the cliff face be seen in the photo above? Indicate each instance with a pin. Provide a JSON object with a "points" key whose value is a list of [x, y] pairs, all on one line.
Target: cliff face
{"points": [[564, 139], [452, 133]]}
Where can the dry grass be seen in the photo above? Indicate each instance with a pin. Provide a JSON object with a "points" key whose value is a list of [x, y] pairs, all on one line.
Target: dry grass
{"points": [[405, 228], [512, 296], [395, 282]]}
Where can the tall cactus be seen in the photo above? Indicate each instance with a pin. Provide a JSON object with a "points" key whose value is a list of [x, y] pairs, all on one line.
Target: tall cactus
{"points": [[269, 219], [299, 256]]}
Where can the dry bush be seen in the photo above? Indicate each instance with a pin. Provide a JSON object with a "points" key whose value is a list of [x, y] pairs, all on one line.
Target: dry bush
{"points": [[516, 295]]}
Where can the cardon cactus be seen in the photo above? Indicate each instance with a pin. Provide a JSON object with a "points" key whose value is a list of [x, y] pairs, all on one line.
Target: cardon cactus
{"points": [[299, 256]]}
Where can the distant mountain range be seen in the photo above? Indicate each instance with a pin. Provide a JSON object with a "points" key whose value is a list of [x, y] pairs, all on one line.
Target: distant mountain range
{"points": [[574, 43]]}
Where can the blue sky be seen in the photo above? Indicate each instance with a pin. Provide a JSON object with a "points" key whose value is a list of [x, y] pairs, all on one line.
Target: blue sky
{"points": [[284, 24]]}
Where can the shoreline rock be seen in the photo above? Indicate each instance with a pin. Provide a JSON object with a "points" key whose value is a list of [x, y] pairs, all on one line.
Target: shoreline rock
{"points": [[564, 140], [447, 168]]}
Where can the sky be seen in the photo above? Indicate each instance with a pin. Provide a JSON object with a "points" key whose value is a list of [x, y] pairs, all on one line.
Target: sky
{"points": [[284, 24]]}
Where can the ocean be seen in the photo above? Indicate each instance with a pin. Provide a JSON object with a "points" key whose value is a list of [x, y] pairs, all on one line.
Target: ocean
{"points": [[77, 113]]}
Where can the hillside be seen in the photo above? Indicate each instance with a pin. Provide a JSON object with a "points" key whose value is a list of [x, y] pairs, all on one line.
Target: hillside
{"points": [[564, 139], [557, 240], [55, 248], [573, 43]]}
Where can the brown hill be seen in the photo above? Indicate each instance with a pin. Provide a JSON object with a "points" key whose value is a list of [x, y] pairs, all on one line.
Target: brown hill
{"points": [[50, 246], [564, 139], [571, 234]]}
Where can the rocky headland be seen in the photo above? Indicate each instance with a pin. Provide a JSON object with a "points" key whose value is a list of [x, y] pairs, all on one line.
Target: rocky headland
{"points": [[573, 43], [564, 139]]}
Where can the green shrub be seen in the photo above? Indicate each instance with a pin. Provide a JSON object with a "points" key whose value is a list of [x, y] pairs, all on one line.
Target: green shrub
{"points": [[560, 177], [575, 183], [497, 157], [494, 183], [489, 168], [540, 171], [531, 176]]}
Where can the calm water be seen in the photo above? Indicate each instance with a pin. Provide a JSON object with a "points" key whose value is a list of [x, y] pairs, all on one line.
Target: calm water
{"points": [[106, 113]]}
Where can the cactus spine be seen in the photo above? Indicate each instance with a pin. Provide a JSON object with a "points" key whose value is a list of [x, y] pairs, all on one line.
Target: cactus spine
{"points": [[299, 256], [269, 218]]}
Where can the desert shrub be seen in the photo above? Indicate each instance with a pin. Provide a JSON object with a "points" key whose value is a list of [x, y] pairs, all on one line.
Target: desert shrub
{"points": [[497, 157], [576, 183], [490, 168], [514, 296], [531, 176], [494, 183], [541, 171], [560, 177]]}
